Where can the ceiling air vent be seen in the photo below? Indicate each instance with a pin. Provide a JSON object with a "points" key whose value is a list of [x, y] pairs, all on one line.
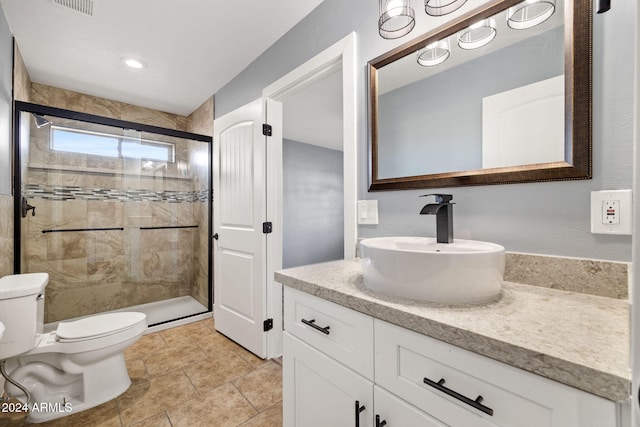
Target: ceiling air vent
{"points": [[84, 7]]}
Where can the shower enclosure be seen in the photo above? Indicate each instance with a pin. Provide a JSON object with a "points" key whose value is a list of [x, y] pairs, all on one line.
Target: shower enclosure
{"points": [[117, 213]]}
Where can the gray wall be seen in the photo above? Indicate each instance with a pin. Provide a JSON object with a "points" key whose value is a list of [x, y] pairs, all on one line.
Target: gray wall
{"points": [[6, 92], [546, 218], [435, 125], [313, 202]]}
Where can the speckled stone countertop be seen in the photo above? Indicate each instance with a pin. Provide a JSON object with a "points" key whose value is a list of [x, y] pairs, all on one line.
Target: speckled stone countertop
{"points": [[576, 339]]}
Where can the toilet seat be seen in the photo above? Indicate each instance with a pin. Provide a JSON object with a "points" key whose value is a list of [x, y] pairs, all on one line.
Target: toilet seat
{"points": [[97, 326]]}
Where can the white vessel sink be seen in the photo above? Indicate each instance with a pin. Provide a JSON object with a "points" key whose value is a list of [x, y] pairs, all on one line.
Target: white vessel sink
{"points": [[465, 271]]}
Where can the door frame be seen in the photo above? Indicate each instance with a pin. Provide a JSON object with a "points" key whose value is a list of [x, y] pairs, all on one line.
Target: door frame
{"points": [[342, 53], [635, 245]]}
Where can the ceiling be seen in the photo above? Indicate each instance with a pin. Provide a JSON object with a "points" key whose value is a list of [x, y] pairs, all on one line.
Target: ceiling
{"points": [[191, 48]]}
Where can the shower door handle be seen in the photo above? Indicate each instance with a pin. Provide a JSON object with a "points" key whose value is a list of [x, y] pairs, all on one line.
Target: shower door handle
{"points": [[26, 207]]}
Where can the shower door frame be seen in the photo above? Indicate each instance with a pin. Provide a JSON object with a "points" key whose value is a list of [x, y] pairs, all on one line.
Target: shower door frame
{"points": [[27, 107]]}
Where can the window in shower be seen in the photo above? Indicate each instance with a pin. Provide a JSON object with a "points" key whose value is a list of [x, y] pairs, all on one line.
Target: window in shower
{"points": [[122, 215], [102, 144]]}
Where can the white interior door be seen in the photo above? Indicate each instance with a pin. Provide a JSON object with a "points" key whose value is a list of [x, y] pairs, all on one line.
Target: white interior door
{"points": [[239, 210], [508, 117]]}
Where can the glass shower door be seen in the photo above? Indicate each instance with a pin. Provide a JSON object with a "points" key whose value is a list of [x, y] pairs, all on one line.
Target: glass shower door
{"points": [[120, 219], [166, 222]]}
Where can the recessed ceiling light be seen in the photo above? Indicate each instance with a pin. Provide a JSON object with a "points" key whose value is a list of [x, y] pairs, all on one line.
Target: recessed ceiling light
{"points": [[133, 63]]}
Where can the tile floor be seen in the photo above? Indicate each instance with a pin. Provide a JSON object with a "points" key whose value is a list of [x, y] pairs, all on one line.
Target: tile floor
{"points": [[187, 376]]}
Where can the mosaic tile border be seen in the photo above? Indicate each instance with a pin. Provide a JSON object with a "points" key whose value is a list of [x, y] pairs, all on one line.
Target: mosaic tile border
{"points": [[60, 192]]}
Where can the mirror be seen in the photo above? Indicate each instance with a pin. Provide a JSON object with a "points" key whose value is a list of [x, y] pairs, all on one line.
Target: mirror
{"points": [[489, 98]]}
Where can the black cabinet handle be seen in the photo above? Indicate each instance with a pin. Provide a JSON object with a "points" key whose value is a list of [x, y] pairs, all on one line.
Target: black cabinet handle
{"points": [[312, 323], [358, 410], [380, 423], [215, 236], [475, 403]]}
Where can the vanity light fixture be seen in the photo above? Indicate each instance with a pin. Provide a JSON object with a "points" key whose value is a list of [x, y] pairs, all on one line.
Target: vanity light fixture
{"points": [[397, 18], [434, 53], [134, 63], [442, 7], [530, 13], [478, 34]]}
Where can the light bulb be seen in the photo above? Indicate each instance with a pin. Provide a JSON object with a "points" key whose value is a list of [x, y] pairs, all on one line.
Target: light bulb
{"points": [[394, 8]]}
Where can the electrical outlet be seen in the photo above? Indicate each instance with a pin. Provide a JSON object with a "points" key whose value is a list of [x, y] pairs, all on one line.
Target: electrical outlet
{"points": [[611, 212]]}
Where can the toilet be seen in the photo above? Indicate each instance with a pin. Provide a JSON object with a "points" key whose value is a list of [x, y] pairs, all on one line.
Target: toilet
{"points": [[76, 367]]}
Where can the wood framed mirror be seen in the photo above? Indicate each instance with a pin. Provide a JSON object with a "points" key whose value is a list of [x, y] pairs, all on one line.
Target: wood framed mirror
{"points": [[517, 109]]}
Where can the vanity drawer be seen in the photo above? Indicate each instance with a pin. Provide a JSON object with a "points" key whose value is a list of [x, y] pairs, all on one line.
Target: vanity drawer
{"points": [[342, 333], [396, 412], [510, 396]]}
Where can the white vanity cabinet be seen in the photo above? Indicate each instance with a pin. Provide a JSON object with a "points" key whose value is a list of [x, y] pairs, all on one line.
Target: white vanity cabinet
{"points": [[327, 364], [335, 356], [391, 411], [320, 392], [462, 388]]}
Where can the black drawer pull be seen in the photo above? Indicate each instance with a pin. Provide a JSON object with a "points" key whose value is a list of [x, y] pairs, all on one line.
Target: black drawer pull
{"points": [[358, 410], [380, 423], [312, 323], [475, 403]]}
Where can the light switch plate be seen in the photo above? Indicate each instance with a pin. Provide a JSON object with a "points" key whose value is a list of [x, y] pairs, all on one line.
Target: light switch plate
{"points": [[367, 212], [611, 212]]}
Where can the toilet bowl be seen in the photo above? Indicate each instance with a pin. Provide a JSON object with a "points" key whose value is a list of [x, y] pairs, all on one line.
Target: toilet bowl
{"points": [[76, 367]]}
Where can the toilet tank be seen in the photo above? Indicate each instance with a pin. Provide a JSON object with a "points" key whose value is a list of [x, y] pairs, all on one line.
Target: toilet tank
{"points": [[21, 312]]}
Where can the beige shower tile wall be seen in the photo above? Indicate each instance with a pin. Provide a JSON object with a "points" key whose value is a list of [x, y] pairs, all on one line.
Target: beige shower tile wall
{"points": [[70, 100], [21, 79], [21, 84], [6, 235], [201, 121], [94, 271], [200, 287]]}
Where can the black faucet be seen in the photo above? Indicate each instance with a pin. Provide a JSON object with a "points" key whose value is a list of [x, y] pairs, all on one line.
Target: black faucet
{"points": [[443, 210]]}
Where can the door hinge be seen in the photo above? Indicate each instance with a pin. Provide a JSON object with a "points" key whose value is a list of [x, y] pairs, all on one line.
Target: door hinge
{"points": [[267, 130], [267, 325], [267, 227]]}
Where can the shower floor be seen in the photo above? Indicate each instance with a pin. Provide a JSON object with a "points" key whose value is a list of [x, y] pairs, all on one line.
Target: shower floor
{"points": [[170, 309], [160, 312]]}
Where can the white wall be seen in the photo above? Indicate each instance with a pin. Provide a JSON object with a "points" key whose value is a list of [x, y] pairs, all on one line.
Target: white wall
{"points": [[546, 218]]}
